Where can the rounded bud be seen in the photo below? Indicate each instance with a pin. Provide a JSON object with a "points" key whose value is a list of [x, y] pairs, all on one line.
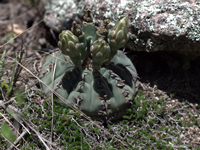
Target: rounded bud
{"points": [[69, 44], [118, 36], [100, 52]]}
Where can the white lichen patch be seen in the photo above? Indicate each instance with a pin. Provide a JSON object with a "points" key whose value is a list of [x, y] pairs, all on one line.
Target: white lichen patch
{"points": [[175, 18]]}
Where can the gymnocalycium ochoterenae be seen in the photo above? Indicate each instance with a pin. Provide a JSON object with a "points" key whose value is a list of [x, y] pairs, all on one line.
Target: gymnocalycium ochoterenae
{"points": [[91, 73]]}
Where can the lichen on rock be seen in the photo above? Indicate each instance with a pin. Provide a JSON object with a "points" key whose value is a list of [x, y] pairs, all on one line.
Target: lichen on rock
{"points": [[165, 25]]}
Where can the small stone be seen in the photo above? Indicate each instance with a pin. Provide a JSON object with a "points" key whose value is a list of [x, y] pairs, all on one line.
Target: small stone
{"points": [[42, 41], [182, 136], [157, 98]]}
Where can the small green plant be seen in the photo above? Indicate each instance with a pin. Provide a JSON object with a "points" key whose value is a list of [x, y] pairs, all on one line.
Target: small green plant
{"points": [[9, 36], [19, 96], [7, 133], [1, 62], [66, 125], [91, 73], [149, 118], [3, 84]]}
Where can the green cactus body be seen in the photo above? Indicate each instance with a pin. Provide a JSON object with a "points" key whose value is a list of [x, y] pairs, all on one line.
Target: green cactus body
{"points": [[97, 88]]}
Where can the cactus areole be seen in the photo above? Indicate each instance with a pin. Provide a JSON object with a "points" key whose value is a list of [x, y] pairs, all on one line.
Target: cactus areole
{"points": [[90, 72]]}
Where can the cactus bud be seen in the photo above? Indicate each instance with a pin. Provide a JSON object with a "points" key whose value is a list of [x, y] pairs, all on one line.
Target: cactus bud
{"points": [[76, 29], [118, 36], [69, 45], [100, 52]]}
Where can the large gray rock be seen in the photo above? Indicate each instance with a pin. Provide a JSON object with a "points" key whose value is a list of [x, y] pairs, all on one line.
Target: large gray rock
{"points": [[155, 25]]}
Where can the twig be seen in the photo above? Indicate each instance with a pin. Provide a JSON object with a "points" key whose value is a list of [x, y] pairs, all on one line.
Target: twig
{"points": [[196, 143], [39, 136], [49, 142], [15, 117], [18, 67], [9, 142], [54, 69], [21, 33], [81, 127], [17, 140]]}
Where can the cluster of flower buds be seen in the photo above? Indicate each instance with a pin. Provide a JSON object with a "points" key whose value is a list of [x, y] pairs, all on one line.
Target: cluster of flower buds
{"points": [[100, 50], [118, 36], [69, 45]]}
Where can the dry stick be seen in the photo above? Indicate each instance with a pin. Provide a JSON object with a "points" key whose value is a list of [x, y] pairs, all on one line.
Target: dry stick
{"points": [[71, 106], [17, 140], [8, 121], [17, 70], [49, 142], [39, 136], [21, 66], [14, 109], [54, 69], [32, 58], [21, 33], [13, 128], [9, 142], [2, 104]]}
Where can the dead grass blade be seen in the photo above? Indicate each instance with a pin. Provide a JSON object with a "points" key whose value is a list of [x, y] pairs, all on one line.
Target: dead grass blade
{"points": [[1, 61], [21, 33], [52, 80]]}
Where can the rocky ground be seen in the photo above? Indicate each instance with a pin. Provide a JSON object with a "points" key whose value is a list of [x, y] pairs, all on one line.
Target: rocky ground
{"points": [[170, 77]]}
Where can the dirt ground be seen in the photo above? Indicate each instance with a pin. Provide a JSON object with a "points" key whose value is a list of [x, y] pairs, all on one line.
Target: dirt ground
{"points": [[22, 20]]}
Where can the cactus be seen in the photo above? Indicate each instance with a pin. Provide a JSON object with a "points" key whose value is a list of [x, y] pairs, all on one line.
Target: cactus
{"points": [[118, 36], [90, 72]]}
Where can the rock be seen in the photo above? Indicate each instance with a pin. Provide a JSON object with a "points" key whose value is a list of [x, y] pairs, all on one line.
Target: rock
{"points": [[161, 25]]}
